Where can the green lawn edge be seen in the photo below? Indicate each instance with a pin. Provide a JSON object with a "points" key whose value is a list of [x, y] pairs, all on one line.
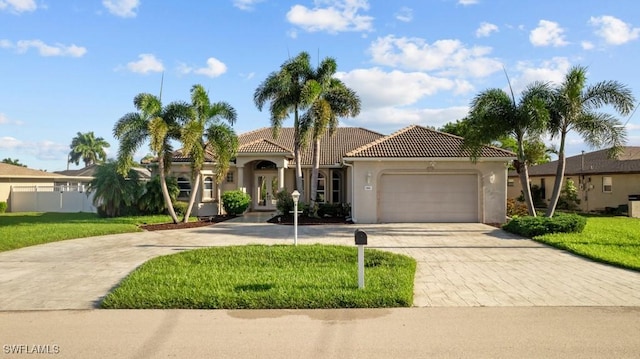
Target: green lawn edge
{"points": [[267, 277]]}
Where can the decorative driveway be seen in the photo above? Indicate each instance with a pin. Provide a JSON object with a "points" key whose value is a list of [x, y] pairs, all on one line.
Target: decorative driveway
{"points": [[458, 264]]}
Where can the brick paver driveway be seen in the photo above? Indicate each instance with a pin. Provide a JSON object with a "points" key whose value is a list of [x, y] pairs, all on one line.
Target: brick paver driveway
{"points": [[458, 265]]}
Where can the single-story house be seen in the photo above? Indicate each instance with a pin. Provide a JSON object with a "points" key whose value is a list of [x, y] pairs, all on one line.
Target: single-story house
{"points": [[601, 181], [413, 175], [26, 189], [89, 173]]}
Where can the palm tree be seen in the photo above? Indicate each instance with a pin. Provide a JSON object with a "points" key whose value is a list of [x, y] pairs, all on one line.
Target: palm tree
{"points": [[113, 191], [157, 124], [330, 99], [88, 148], [221, 139], [574, 109], [11, 161], [495, 114], [283, 89]]}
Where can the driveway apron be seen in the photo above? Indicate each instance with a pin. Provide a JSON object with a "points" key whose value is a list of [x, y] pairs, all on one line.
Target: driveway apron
{"points": [[458, 264]]}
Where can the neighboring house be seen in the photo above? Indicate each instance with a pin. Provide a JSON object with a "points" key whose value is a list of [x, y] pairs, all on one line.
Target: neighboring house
{"points": [[89, 173], [26, 189], [413, 175], [601, 182]]}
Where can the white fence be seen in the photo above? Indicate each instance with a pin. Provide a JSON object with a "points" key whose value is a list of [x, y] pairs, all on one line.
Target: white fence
{"points": [[51, 199]]}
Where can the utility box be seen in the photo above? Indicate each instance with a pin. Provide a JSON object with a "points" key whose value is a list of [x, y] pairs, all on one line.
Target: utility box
{"points": [[634, 205]]}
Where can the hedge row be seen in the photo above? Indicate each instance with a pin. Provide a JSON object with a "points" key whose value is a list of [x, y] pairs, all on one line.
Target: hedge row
{"points": [[535, 226]]}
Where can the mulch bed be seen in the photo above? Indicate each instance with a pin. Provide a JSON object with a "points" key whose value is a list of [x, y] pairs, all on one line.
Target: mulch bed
{"points": [[208, 221], [306, 220]]}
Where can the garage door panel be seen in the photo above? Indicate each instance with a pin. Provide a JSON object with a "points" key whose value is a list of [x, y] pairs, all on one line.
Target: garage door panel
{"points": [[428, 198]]}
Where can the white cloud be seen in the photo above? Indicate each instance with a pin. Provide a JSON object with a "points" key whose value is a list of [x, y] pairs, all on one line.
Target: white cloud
{"points": [[552, 71], [405, 14], [246, 5], [18, 6], [213, 69], [468, 2], [548, 33], [43, 150], [378, 89], [4, 120], [332, 16], [486, 29], [613, 30], [390, 119], [122, 8], [447, 57], [23, 46], [586, 45], [147, 63]]}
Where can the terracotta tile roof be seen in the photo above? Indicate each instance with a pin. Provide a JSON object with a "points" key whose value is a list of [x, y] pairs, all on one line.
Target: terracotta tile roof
{"points": [[179, 156], [592, 163], [417, 142], [263, 146], [7, 170], [333, 147], [90, 171]]}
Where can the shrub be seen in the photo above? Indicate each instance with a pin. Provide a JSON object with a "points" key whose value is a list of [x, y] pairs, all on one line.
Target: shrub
{"points": [[235, 202], [334, 209], [535, 226], [3, 207], [516, 209], [284, 202], [152, 200], [568, 197], [180, 207]]}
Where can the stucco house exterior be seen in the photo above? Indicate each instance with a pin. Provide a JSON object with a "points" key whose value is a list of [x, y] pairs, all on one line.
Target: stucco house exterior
{"points": [[413, 175], [601, 181]]}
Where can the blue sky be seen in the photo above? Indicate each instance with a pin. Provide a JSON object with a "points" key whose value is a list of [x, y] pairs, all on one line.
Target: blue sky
{"points": [[69, 66]]}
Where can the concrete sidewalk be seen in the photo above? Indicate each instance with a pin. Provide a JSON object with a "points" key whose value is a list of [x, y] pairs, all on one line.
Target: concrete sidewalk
{"points": [[458, 264]]}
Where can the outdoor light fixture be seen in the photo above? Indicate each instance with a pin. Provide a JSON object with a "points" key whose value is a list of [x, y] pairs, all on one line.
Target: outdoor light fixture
{"points": [[296, 197], [492, 178], [369, 177]]}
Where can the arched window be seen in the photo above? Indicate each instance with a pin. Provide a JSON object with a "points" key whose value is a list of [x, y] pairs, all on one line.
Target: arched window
{"points": [[336, 186], [207, 190], [266, 165]]}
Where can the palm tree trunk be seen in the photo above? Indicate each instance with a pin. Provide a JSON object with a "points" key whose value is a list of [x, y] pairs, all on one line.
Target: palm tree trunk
{"points": [[297, 152], [192, 197], [523, 171], [557, 184], [165, 191], [314, 176]]}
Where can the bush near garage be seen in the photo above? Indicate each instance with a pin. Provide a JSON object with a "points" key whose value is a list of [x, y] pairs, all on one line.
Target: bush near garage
{"points": [[536, 226], [3, 207], [516, 208]]}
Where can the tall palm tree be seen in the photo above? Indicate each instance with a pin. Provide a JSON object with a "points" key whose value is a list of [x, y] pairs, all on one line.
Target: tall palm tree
{"points": [[329, 99], [495, 114], [88, 148], [574, 109], [156, 124], [221, 139], [283, 89]]}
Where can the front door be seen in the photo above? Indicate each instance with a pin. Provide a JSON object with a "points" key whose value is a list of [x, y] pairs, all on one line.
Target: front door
{"points": [[265, 191]]}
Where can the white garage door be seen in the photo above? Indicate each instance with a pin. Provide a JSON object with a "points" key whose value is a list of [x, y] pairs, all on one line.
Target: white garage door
{"points": [[428, 198]]}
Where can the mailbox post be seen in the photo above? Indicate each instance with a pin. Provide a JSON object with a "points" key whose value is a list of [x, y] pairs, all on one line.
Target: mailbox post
{"points": [[361, 241]]}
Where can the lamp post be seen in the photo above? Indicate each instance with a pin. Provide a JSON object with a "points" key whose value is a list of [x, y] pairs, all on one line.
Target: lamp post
{"points": [[296, 196]]}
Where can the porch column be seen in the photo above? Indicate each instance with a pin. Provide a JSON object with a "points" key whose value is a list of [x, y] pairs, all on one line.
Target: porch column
{"points": [[280, 178], [241, 179]]}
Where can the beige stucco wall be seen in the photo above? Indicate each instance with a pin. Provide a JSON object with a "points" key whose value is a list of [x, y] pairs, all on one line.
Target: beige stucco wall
{"points": [[492, 201], [591, 194]]}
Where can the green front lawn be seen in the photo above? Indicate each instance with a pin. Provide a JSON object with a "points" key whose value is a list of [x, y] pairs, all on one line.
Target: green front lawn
{"points": [[614, 240], [25, 229], [268, 277]]}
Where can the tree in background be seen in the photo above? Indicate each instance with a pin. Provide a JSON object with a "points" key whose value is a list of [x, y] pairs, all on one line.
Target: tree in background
{"points": [[574, 109], [329, 99], [496, 114], [11, 161], [113, 192], [205, 132], [156, 124], [284, 91], [88, 148]]}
